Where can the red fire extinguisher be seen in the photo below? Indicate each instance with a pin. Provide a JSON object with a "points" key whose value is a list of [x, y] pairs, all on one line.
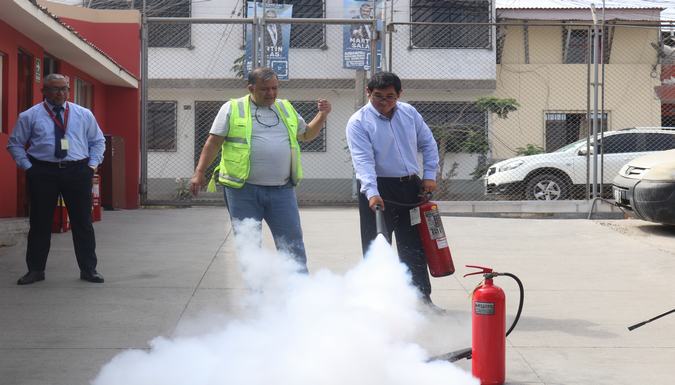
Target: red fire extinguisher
{"points": [[434, 241], [488, 342], [488, 325], [96, 198], [488, 330]]}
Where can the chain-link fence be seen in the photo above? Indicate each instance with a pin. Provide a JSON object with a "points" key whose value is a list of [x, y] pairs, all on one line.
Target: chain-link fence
{"points": [[511, 104]]}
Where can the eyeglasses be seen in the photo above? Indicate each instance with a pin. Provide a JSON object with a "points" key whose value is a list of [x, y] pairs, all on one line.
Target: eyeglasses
{"points": [[388, 98], [57, 89]]}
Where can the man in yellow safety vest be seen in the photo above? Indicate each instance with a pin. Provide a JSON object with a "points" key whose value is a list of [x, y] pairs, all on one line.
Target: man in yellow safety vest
{"points": [[260, 159]]}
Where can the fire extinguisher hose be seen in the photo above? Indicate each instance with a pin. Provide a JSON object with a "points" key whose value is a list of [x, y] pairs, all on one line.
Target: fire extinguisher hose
{"points": [[520, 302], [466, 352]]}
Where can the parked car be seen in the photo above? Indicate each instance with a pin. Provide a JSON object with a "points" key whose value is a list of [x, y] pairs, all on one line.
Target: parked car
{"points": [[563, 174], [646, 186]]}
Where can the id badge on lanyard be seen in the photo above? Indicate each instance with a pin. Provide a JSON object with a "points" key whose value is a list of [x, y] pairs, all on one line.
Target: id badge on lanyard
{"points": [[62, 125]]}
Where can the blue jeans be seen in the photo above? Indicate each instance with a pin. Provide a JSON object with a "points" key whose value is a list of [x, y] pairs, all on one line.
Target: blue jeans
{"points": [[278, 206]]}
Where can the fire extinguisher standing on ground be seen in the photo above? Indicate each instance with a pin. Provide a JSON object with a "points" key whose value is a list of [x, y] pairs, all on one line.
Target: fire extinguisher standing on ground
{"points": [[434, 241], [488, 325], [96, 198]]}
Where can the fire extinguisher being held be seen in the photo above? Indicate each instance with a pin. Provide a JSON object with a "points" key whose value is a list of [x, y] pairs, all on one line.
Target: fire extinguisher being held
{"points": [[434, 241]]}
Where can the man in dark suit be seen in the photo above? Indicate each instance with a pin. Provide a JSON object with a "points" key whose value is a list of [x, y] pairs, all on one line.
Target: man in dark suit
{"points": [[60, 145]]}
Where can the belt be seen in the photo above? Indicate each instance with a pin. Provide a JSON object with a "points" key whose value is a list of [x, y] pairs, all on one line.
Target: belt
{"points": [[406, 178], [59, 164]]}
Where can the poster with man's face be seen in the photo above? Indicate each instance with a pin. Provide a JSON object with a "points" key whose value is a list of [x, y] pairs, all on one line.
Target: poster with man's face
{"points": [[356, 37], [273, 38]]}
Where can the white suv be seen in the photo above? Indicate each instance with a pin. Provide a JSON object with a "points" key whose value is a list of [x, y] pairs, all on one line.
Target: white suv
{"points": [[562, 174]]}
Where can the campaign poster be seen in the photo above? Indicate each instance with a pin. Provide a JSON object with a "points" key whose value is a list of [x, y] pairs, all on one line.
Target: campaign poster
{"points": [[356, 37], [277, 37]]}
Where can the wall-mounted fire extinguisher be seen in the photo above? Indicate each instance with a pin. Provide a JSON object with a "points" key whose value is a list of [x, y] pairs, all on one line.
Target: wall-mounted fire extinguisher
{"points": [[488, 325], [434, 241]]}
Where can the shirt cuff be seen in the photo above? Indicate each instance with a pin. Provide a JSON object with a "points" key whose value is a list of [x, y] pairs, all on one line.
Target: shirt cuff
{"points": [[429, 175], [371, 192]]}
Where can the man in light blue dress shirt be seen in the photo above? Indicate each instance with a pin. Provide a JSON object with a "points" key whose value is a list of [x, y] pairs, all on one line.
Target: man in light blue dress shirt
{"points": [[384, 138], [59, 145]]}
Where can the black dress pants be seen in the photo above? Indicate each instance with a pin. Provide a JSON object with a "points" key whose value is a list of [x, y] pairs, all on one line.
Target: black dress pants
{"points": [[397, 218], [74, 182]]}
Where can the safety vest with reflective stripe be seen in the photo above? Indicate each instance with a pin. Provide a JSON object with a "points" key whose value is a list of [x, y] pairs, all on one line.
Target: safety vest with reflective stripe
{"points": [[235, 159]]}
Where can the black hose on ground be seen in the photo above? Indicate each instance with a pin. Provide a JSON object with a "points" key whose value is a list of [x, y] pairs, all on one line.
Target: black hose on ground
{"points": [[466, 352]]}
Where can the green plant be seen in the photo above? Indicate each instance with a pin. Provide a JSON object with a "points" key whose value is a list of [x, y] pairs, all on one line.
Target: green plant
{"points": [[475, 142], [238, 66], [529, 149], [458, 137], [498, 106]]}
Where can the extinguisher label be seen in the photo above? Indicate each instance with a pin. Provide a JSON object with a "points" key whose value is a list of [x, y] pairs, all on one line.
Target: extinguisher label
{"points": [[442, 243], [484, 308], [434, 224], [415, 218]]}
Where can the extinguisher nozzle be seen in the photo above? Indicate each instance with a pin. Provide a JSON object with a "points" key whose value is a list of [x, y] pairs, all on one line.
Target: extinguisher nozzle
{"points": [[380, 224], [631, 328], [453, 356]]}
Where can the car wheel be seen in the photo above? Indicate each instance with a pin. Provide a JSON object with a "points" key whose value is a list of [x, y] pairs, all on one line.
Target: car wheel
{"points": [[547, 187]]}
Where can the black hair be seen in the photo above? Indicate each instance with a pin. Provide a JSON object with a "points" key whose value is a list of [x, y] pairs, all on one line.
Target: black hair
{"points": [[261, 73], [383, 80]]}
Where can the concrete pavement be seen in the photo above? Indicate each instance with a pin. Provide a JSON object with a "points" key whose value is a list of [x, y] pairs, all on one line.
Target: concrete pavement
{"points": [[165, 269]]}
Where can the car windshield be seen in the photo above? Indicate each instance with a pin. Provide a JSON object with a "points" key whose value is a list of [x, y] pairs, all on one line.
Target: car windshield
{"points": [[571, 145], [574, 144]]}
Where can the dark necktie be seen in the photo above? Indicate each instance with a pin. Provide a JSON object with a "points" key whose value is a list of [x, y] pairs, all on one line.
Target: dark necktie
{"points": [[59, 132]]}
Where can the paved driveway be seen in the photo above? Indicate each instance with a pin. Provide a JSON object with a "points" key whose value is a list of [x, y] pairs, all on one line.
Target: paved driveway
{"points": [[173, 272]]}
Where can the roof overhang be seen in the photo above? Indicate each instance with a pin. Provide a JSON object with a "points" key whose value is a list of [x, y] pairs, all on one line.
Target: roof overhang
{"points": [[41, 27], [632, 14]]}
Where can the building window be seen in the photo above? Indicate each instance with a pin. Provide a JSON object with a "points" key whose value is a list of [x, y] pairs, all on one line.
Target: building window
{"points": [[577, 47], [457, 126], [563, 128], [308, 109], [159, 35], [83, 93], [305, 35], [205, 113], [450, 36], [49, 65], [162, 125]]}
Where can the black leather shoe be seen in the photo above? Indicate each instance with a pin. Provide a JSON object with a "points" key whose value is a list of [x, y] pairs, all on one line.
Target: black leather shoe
{"points": [[91, 276], [31, 277]]}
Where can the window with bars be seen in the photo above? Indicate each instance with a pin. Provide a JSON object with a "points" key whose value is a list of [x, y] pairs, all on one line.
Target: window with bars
{"points": [[450, 36], [305, 35], [162, 125], [459, 126], [159, 35], [308, 109]]}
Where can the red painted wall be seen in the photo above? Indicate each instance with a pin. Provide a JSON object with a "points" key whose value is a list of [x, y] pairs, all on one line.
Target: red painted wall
{"points": [[124, 121], [10, 43], [120, 41], [118, 108]]}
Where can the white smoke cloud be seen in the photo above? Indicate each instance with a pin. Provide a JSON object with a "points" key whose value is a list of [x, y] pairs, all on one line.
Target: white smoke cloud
{"points": [[327, 329]]}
